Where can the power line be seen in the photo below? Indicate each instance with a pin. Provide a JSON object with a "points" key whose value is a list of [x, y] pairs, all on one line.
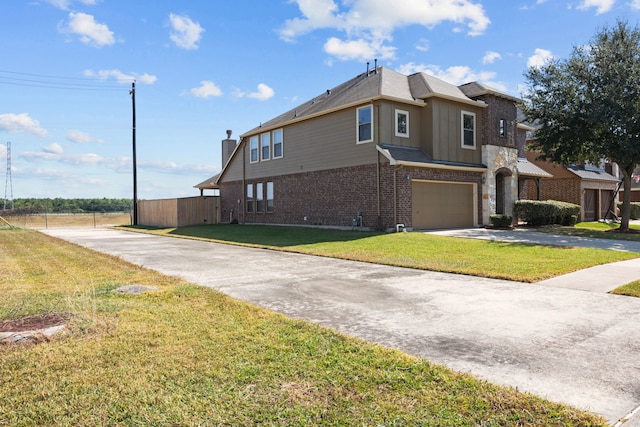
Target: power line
{"points": [[58, 82]]}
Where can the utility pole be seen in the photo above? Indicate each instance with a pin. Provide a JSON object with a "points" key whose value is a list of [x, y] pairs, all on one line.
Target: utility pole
{"points": [[132, 92], [8, 183]]}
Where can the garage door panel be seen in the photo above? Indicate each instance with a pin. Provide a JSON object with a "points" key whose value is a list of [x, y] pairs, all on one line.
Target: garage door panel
{"points": [[442, 205]]}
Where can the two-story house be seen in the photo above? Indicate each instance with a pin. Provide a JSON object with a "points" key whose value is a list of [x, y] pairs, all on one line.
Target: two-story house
{"points": [[379, 150]]}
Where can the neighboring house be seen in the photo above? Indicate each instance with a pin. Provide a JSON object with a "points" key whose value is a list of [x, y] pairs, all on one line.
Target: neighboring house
{"points": [[635, 187], [382, 150], [591, 187]]}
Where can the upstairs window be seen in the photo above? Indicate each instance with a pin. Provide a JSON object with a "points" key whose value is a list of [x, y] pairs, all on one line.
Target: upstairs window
{"points": [[402, 123], [277, 144], [265, 146], [468, 130], [502, 128], [253, 144], [365, 124]]}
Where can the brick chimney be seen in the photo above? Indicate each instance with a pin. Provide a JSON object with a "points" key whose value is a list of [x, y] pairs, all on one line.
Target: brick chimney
{"points": [[228, 146]]}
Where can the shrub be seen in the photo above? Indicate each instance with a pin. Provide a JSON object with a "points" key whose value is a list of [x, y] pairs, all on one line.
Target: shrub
{"points": [[536, 213], [635, 209], [501, 221]]}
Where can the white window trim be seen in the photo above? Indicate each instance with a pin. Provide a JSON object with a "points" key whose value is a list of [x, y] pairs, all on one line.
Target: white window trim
{"points": [[358, 125], [265, 159], [257, 139], [475, 130], [406, 113], [281, 145]]}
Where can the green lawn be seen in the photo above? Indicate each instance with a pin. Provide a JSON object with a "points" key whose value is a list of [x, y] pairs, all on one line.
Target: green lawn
{"points": [[189, 356], [599, 230], [512, 261], [631, 289]]}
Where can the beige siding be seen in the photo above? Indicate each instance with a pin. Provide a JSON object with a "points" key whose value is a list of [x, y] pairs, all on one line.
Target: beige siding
{"points": [[233, 171], [446, 133], [327, 142], [387, 128]]}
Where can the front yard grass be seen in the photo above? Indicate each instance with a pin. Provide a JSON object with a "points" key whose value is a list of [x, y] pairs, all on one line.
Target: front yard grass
{"points": [[631, 289], [190, 356], [596, 229], [501, 260]]}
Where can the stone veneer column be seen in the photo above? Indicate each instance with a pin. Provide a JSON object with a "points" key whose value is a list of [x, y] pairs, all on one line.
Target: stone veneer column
{"points": [[496, 157]]}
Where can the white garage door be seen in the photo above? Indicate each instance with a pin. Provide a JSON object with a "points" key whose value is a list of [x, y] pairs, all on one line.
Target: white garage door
{"points": [[438, 204]]}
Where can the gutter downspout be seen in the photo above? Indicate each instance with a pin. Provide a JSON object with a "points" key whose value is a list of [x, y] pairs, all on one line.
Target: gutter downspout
{"points": [[378, 182]]}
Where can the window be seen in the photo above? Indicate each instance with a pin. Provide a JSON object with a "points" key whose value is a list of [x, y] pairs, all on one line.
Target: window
{"points": [[468, 130], [265, 146], [259, 197], [502, 128], [269, 196], [277, 144], [253, 142], [365, 124], [402, 123], [249, 197]]}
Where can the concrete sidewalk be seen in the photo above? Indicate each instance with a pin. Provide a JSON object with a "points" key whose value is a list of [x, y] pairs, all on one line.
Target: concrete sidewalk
{"points": [[601, 278], [581, 348]]}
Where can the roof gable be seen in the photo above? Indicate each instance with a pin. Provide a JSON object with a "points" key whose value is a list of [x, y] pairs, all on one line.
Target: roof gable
{"points": [[377, 83]]}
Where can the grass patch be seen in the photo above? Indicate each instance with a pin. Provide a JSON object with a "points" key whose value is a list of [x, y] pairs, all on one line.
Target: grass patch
{"points": [[597, 230], [500, 260], [630, 289], [190, 356]]}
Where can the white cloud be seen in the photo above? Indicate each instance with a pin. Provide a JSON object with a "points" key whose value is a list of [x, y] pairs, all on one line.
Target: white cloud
{"points": [[65, 4], [455, 75], [539, 58], [80, 137], [263, 93], [490, 57], [122, 77], [635, 4], [17, 123], [206, 90], [358, 49], [423, 44], [369, 24], [54, 148], [90, 31], [186, 34], [602, 6]]}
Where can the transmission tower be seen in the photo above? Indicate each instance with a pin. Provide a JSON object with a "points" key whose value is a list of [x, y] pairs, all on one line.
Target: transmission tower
{"points": [[8, 183]]}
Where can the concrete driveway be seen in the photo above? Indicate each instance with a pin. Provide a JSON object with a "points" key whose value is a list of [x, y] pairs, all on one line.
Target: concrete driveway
{"points": [[567, 345]]}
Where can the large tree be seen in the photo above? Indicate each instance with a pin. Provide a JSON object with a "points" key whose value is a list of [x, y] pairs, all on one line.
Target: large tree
{"points": [[587, 107]]}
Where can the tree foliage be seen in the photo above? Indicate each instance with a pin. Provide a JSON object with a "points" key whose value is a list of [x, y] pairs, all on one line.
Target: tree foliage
{"points": [[587, 107], [59, 205]]}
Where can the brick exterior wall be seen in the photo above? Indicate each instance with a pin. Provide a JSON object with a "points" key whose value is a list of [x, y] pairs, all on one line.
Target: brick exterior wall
{"points": [[500, 109], [334, 197]]}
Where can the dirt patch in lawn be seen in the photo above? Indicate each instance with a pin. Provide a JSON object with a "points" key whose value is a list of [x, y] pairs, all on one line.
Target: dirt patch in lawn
{"points": [[36, 328]]}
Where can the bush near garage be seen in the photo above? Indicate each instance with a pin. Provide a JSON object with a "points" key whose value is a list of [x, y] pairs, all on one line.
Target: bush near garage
{"points": [[548, 212], [635, 209], [501, 221]]}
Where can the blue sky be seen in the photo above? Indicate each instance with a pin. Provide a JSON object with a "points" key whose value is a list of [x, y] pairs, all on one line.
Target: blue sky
{"points": [[202, 67]]}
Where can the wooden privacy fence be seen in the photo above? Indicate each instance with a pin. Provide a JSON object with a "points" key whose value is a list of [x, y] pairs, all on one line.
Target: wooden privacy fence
{"points": [[181, 212]]}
